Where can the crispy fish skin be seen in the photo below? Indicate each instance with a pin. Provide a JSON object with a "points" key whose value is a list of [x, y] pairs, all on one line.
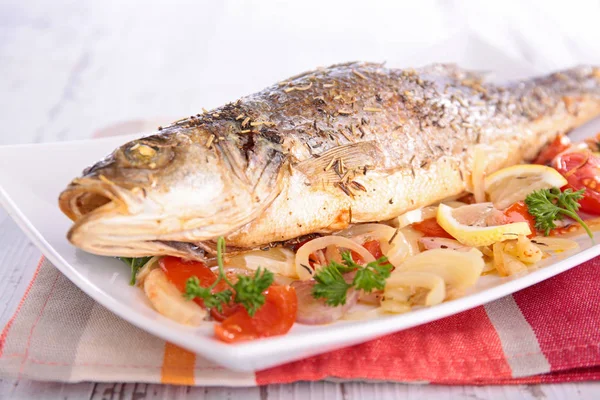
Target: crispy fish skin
{"points": [[351, 143]]}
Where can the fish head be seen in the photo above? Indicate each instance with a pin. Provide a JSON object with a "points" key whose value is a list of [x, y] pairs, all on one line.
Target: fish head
{"points": [[167, 189]]}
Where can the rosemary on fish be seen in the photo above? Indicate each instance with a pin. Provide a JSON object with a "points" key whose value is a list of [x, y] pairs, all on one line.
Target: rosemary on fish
{"points": [[210, 140], [298, 88], [361, 76]]}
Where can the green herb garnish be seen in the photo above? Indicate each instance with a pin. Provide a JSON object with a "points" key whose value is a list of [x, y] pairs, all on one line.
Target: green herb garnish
{"points": [[549, 205], [135, 264], [248, 289], [332, 286]]}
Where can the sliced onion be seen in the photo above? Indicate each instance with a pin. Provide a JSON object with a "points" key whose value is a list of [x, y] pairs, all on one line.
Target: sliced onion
{"points": [[359, 233], [363, 314], [399, 249], [332, 253], [146, 269], [167, 300], [506, 264], [459, 270], [373, 297], [313, 311], [489, 267], [303, 268], [416, 279], [278, 260], [431, 243], [554, 244], [412, 237]]}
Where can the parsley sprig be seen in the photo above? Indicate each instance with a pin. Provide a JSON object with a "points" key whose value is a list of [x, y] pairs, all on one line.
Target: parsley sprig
{"points": [[248, 289], [135, 264], [549, 205], [332, 286]]}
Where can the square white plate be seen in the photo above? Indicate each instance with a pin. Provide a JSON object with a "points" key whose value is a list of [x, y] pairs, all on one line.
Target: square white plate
{"points": [[32, 176]]}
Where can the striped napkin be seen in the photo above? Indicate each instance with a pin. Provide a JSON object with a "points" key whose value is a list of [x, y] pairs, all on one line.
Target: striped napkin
{"points": [[547, 333]]}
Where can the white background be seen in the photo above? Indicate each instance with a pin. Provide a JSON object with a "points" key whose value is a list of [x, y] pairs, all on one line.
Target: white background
{"points": [[69, 68]]}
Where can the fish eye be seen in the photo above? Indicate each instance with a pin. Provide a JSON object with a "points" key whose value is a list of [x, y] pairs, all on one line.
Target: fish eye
{"points": [[140, 154]]}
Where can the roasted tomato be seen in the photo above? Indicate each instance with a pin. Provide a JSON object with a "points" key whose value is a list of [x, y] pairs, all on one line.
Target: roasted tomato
{"points": [[373, 247], [557, 146], [518, 212], [275, 317], [582, 171], [178, 271], [430, 228]]}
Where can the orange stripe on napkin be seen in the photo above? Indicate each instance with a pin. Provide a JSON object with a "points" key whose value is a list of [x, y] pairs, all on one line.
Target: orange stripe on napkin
{"points": [[178, 366]]}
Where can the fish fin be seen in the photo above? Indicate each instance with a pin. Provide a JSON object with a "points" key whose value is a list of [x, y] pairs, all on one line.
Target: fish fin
{"points": [[231, 155], [332, 166]]}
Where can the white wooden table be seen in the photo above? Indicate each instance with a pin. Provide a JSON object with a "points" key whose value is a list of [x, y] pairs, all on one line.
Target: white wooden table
{"points": [[69, 68]]}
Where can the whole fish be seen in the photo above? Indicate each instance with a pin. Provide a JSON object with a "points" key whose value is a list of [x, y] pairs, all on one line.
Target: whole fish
{"points": [[351, 143]]}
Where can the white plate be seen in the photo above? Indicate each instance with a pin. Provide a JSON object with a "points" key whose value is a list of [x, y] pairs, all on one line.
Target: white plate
{"points": [[32, 176]]}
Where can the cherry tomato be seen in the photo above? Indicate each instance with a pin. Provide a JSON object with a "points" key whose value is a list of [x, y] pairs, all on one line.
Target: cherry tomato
{"points": [[431, 228], [178, 271], [558, 145], [582, 171], [357, 258], [518, 212], [373, 247], [275, 317]]}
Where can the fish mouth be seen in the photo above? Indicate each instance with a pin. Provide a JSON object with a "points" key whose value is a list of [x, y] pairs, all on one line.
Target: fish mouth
{"points": [[102, 212], [109, 220], [85, 196]]}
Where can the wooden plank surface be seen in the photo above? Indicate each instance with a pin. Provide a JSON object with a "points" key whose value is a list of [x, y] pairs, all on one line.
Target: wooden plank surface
{"points": [[69, 68]]}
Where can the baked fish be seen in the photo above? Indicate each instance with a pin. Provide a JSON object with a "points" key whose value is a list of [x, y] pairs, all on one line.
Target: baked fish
{"points": [[351, 143]]}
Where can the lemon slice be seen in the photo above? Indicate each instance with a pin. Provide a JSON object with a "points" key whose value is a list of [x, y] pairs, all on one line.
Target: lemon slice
{"points": [[473, 225], [513, 184]]}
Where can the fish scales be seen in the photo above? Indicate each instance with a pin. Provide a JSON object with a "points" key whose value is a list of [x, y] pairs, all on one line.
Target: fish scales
{"points": [[355, 142]]}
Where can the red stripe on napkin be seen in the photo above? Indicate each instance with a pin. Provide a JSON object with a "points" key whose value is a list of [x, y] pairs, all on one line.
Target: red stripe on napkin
{"points": [[564, 314], [462, 347], [7, 327]]}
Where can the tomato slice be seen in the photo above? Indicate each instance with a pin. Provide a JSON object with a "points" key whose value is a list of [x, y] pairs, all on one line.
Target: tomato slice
{"points": [[275, 317], [430, 228], [178, 271], [557, 146], [373, 247], [582, 171], [518, 212]]}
